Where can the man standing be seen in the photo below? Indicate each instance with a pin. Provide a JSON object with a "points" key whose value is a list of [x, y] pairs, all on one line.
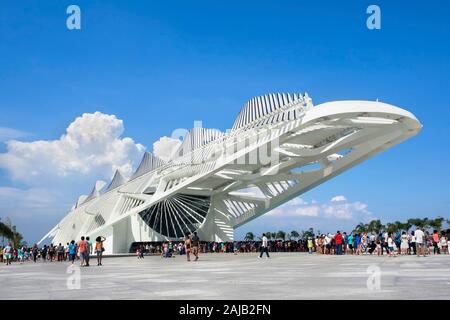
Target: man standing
{"points": [[264, 246], [82, 250], [338, 241], [420, 242], [88, 251], [195, 243]]}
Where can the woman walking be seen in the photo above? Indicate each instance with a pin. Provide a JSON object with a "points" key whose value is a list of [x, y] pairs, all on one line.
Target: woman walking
{"points": [[72, 251], [187, 246], [404, 245], [435, 239]]}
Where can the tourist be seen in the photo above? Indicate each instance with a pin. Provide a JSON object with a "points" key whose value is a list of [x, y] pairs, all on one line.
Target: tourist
{"points": [[310, 245], [60, 252], [82, 251], [51, 252], [264, 246], [404, 245], [412, 244], [7, 252], [44, 253], [99, 248], [35, 252], [195, 243], [72, 247], [88, 250], [357, 244], [444, 243], [436, 242], [390, 245], [21, 254], [420, 242], [187, 247], [338, 242], [350, 243]]}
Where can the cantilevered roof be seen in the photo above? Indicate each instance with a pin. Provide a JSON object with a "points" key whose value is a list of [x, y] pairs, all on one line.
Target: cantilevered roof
{"points": [[148, 163], [261, 106]]}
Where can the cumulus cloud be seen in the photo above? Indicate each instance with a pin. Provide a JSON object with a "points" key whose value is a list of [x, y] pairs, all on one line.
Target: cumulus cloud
{"points": [[338, 199], [165, 147], [347, 210], [92, 144]]}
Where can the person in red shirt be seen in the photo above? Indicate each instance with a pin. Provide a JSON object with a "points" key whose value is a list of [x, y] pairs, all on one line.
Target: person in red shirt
{"points": [[338, 239]]}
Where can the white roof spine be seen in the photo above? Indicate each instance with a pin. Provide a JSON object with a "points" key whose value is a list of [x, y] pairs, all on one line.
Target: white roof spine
{"points": [[117, 181], [148, 163], [261, 106], [94, 194]]}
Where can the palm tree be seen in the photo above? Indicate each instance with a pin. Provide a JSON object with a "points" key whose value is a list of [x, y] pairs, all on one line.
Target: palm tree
{"points": [[249, 236], [361, 227], [274, 235], [437, 223], [390, 227], [308, 233], [294, 234], [375, 226], [268, 235], [280, 235]]}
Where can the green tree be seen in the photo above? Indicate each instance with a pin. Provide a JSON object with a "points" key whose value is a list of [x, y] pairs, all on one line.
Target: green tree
{"points": [[437, 223], [375, 226], [294, 234], [249, 236], [280, 235], [308, 233], [361, 227]]}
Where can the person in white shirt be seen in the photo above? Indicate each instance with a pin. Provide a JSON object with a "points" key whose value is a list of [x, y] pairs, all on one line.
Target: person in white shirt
{"points": [[420, 242], [264, 246]]}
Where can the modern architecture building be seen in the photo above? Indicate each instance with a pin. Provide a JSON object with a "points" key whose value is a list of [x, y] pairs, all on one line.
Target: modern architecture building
{"points": [[279, 147]]}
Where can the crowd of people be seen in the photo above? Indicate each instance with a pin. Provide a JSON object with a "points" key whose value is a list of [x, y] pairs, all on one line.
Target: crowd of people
{"points": [[417, 242], [72, 251]]}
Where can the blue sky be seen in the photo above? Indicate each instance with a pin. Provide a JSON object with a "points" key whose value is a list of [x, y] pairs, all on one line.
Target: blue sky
{"points": [[160, 65]]}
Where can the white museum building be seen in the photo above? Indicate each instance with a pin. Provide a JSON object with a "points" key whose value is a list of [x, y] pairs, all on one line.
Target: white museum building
{"points": [[279, 147]]}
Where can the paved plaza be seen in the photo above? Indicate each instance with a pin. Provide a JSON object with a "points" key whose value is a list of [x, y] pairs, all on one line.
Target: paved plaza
{"points": [[228, 276]]}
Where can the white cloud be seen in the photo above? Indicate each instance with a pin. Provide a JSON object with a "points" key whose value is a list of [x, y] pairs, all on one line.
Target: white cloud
{"points": [[348, 210], [296, 207], [296, 202], [18, 202], [338, 199], [92, 145], [337, 208], [165, 147], [7, 134], [311, 211]]}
